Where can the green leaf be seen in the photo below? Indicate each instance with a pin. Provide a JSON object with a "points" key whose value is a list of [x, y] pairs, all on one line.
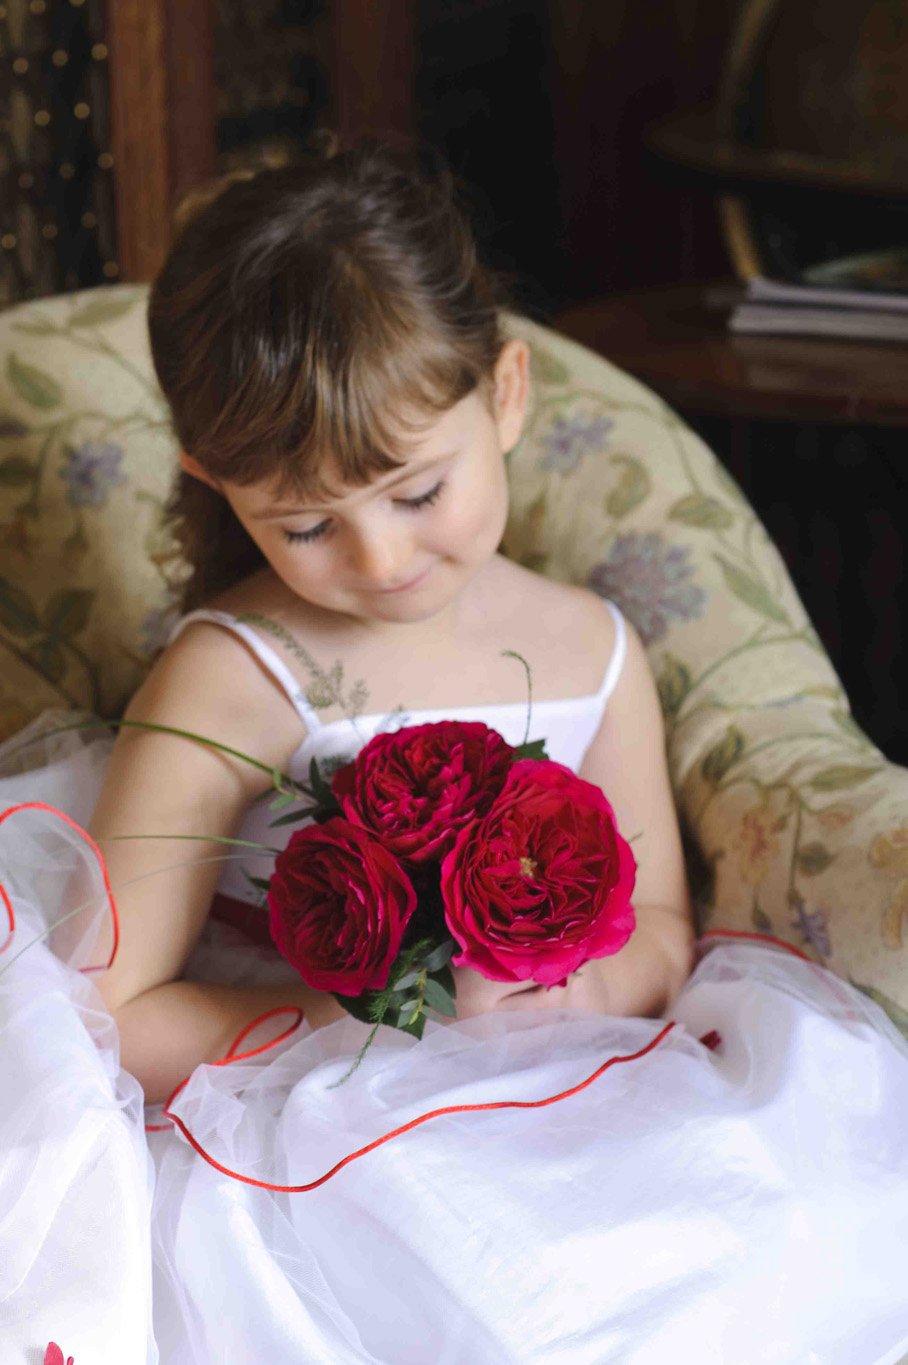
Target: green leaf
{"points": [[439, 999], [632, 488], [534, 748], [11, 427], [673, 684], [699, 509], [16, 472], [813, 859], [323, 793], [49, 660], [102, 310], [34, 385], [547, 368], [751, 591], [416, 1027], [67, 612], [293, 817], [17, 612], [723, 755], [440, 957], [840, 776], [359, 1006], [260, 883]]}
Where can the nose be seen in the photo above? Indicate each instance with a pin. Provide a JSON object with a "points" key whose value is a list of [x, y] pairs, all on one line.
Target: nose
{"points": [[383, 558]]}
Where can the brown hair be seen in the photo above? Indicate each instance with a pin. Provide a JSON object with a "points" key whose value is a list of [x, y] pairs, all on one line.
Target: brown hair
{"points": [[306, 311]]}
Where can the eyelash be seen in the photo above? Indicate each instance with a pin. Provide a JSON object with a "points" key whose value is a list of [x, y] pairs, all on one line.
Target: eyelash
{"points": [[412, 505]]}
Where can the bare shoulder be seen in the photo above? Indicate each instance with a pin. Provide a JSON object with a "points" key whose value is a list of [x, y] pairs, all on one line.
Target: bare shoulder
{"points": [[209, 682], [575, 622]]}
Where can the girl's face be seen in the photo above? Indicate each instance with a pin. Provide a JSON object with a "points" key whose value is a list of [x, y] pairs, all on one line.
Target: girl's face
{"points": [[401, 548]]}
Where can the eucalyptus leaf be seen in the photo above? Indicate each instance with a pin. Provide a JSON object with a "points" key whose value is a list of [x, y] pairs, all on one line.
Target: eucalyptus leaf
{"points": [[439, 956], [439, 999]]}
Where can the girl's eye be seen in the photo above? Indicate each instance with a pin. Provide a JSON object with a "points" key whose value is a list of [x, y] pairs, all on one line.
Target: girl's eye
{"points": [[412, 504], [303, 537], [426, 499]]}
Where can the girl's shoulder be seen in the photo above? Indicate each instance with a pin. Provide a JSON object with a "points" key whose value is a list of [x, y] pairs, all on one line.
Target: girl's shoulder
{"points": [[209, 682]]}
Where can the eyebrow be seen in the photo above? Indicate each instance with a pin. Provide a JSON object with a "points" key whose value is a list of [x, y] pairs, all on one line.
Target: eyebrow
{"points": [[273, 513]]}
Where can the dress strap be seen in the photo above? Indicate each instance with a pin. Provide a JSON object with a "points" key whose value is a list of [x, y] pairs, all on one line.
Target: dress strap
{"points": [[619, 651], [266, 655]]}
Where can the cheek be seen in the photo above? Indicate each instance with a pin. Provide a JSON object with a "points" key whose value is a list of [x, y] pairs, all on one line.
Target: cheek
{"points": [[482, 514]]}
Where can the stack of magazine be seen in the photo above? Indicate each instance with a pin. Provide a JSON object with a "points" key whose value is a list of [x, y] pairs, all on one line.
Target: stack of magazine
{"points": [[859, 296]]}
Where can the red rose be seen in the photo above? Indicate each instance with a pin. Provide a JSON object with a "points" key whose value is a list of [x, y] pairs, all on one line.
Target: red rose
{"points": [[543, 883], [339, 904], [416, 789]]}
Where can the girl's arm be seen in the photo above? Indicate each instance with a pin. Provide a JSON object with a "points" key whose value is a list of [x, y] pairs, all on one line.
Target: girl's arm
{"points": [[163, 784], [627, 761]]}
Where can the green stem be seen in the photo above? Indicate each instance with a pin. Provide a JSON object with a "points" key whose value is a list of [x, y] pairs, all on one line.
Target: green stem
{"points": [[275, 774]]}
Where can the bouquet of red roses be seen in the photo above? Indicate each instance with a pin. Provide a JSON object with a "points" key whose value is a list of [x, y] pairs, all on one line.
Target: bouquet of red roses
{"points": [[442, 839]]}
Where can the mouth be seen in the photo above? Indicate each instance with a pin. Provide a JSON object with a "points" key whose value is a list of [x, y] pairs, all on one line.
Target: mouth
{"points": [[405, 587]]}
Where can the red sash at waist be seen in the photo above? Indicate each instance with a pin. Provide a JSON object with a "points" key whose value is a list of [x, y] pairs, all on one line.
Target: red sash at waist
{"points": [[251, 920]]}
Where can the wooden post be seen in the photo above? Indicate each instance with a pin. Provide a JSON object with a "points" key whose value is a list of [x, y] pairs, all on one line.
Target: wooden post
{"points": [[374, 66], [162, 119]]}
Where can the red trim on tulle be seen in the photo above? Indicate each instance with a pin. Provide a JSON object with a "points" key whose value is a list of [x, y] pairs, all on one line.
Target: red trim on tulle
{"points": [[54, 1356], [42, 805], [233, 1056], [761, 938], [404, 1128]]}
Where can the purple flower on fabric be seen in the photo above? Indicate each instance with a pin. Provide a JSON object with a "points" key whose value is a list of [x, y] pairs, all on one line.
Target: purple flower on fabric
{"points": [[649, 581], [570, 438], [812, 926], [93, 468]]}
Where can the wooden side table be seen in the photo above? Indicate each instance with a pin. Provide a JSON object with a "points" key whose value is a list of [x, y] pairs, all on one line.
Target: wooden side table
{"points": [[814, 432], [677, 341]]}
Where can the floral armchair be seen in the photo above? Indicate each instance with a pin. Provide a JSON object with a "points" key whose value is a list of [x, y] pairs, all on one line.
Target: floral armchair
{"points": [[795, 824]]}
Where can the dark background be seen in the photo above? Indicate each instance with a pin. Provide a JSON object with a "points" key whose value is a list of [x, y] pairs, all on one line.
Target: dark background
{"points": [[545, 110]]}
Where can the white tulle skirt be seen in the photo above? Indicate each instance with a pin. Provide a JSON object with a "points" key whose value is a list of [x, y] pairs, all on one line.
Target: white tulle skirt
{"points": [[527, 1186]]}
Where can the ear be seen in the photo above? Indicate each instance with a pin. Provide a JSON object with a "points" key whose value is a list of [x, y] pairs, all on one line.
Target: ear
{"points": [[191, 466], [512, 391]]}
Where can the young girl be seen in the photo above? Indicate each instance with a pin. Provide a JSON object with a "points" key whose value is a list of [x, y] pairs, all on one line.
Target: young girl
{"points": [[345, 399]]}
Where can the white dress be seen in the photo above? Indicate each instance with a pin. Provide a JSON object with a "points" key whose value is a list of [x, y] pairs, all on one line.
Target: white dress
{"points": [[594, 1190]]}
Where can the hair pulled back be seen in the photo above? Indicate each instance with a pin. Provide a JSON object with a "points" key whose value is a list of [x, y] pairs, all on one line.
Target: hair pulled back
{"points": [[310, 313]]}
